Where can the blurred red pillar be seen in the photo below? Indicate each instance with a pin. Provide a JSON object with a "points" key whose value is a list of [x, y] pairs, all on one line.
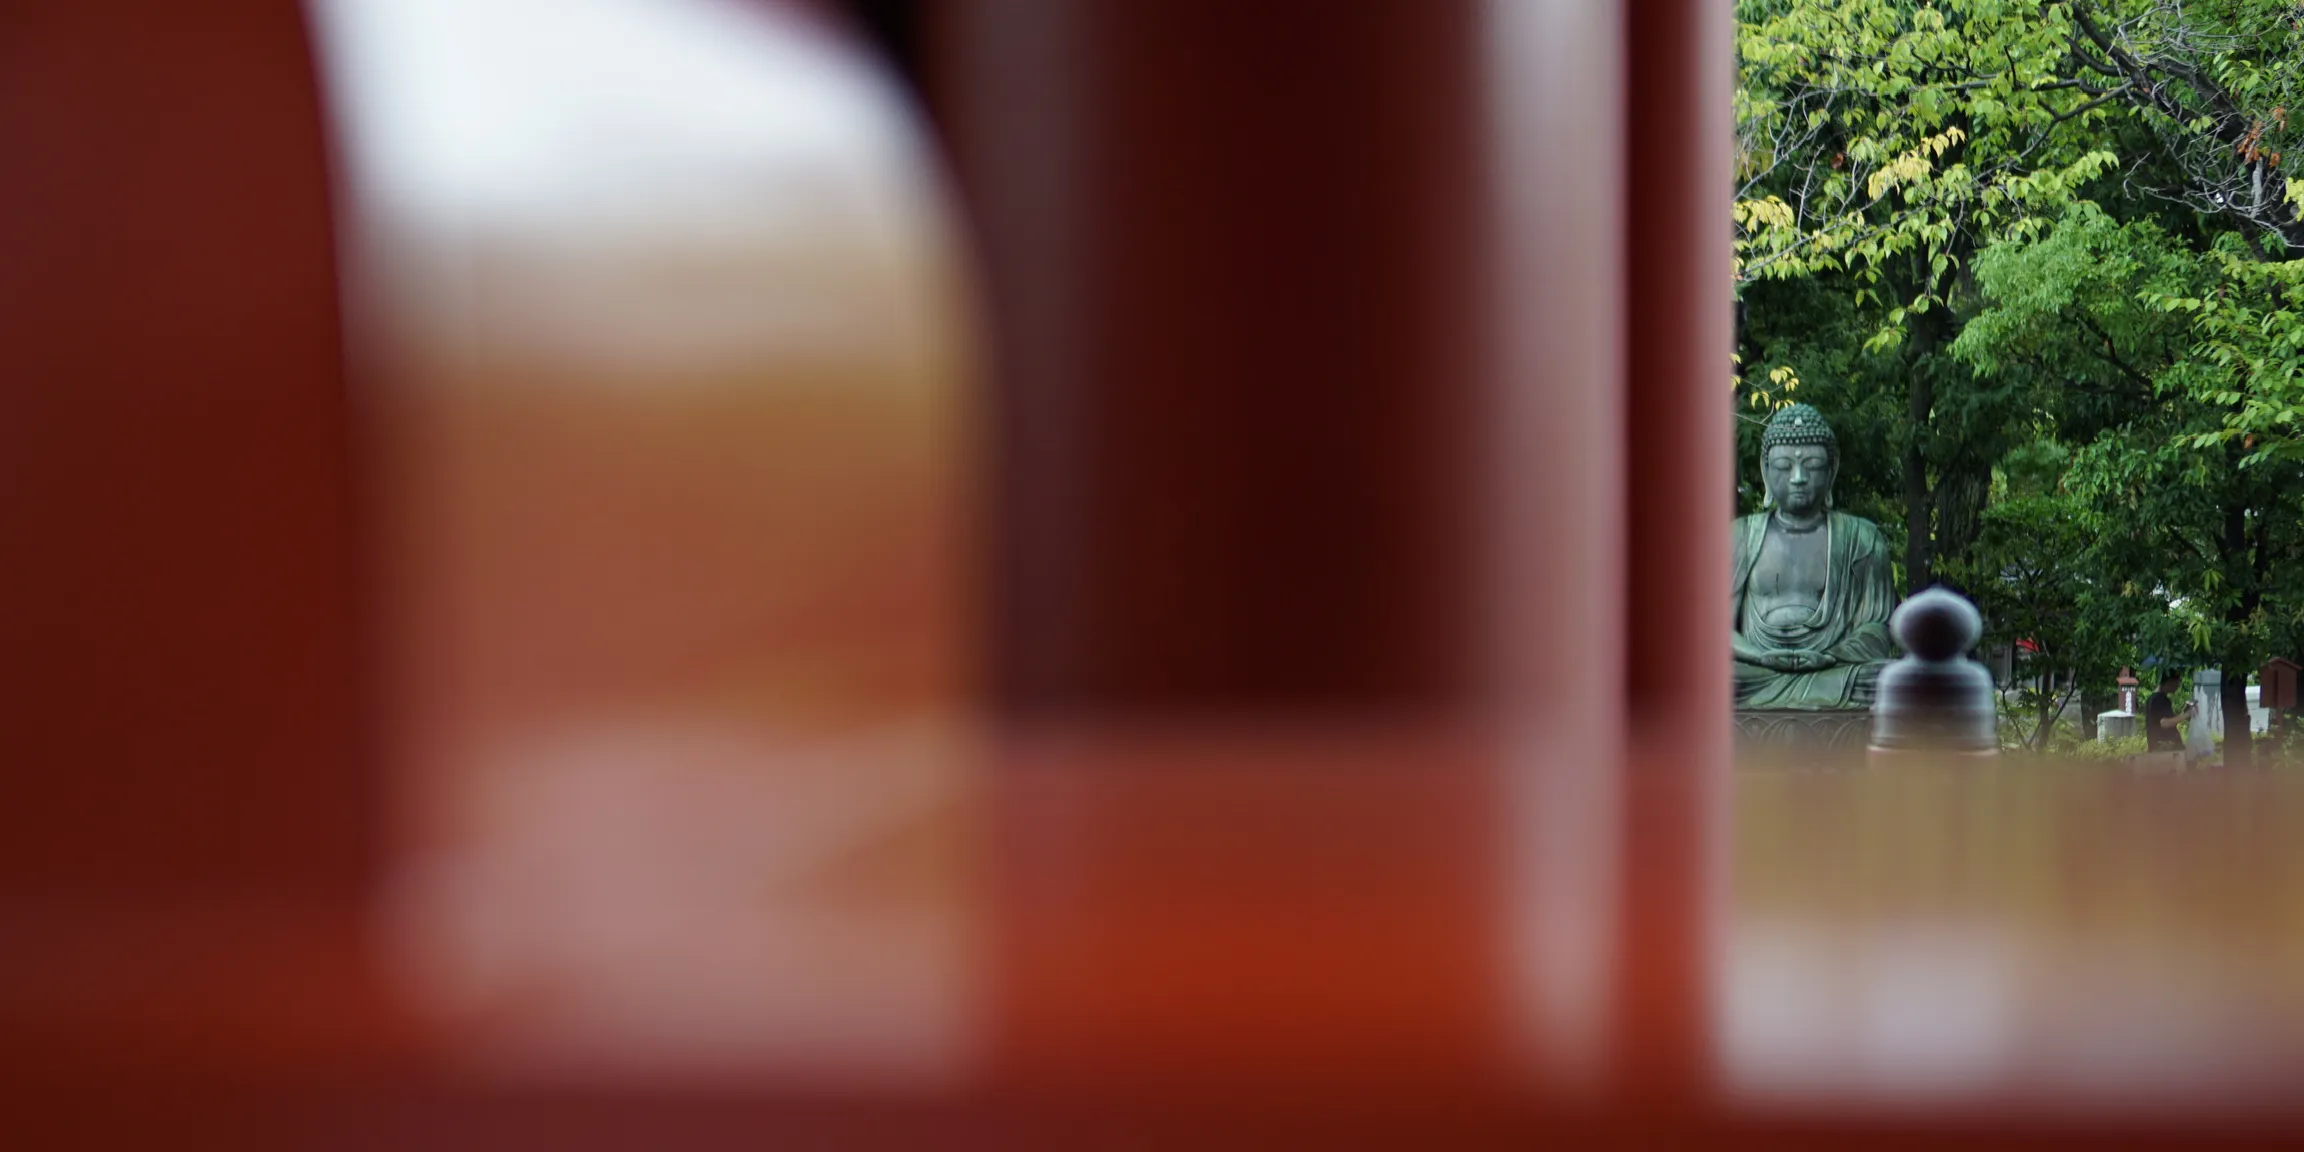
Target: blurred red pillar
{"points": [[1678, 92], [1230, 259], [1233, 282], [177, 509], [1296, 419], [191, 797]]}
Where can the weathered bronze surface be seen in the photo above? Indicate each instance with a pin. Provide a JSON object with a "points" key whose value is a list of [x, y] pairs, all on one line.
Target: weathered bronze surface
{"points": [[1811, 585]]}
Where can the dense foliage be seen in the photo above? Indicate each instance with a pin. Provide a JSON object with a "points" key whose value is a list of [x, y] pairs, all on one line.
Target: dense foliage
{"points": [[2038, 260]]}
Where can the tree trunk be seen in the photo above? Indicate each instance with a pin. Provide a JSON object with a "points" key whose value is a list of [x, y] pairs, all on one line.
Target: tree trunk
{"points": [[2233, 694], [2239, 749], [1928, 332], [1917, 556], [2092, 703], [1958, 499], [2048, 711]]}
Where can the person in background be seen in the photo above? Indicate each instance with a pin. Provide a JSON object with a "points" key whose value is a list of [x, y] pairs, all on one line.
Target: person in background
{"points": [[2161, 718]]}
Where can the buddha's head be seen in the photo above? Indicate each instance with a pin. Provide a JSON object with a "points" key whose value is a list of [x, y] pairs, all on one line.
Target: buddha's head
{"points": [[1799, 456]]}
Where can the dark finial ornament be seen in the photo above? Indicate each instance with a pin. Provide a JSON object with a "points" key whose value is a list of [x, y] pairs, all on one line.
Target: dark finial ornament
{"points": [[1934, 699]]}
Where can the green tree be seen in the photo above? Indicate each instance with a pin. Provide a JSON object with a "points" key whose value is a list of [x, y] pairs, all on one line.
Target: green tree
{"points": [[2035, 575], [2193, 532], [1990, 232], [1880, 145]]}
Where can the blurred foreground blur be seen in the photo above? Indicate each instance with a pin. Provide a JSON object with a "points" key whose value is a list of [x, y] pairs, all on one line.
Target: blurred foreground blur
{"points": [[607, 573], [2080, 937]]}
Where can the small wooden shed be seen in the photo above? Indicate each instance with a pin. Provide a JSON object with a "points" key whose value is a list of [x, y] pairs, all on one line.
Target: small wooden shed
{"points": [[2276, 687]]}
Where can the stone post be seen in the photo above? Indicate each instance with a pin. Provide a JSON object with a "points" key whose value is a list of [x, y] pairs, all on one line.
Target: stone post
{"points": [[2207, 692]]}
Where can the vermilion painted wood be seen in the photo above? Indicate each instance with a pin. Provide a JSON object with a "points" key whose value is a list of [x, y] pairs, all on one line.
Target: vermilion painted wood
{"points": [[1230, 254], [1677, 134], [190, 821], [182, 544]]}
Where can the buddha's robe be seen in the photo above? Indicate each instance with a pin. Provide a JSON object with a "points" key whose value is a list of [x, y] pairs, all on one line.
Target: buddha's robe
{"points": [[1851, 625]]}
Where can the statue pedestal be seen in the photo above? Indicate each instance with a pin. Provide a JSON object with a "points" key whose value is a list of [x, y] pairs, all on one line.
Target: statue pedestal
{"points": [[1832, 735]]}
